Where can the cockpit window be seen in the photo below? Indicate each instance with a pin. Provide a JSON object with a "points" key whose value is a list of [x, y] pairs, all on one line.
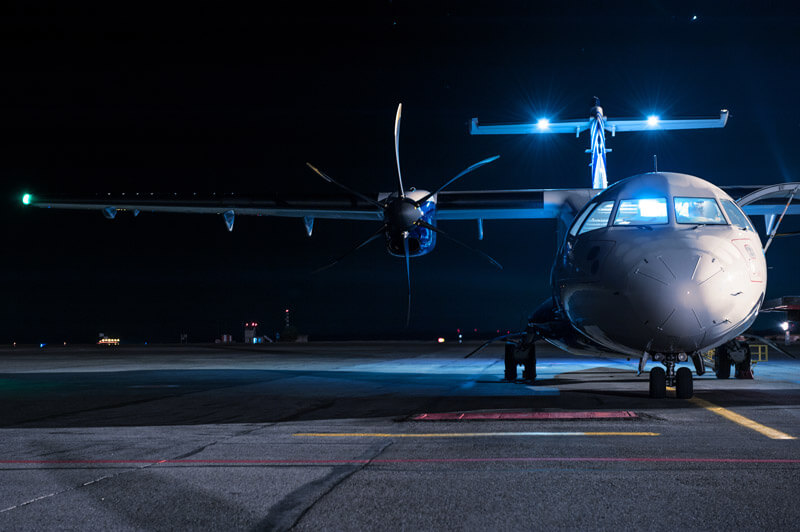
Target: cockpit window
{"points": [[574, 229], [698, 211], [598, 218], [736, 216], [649, 211]]}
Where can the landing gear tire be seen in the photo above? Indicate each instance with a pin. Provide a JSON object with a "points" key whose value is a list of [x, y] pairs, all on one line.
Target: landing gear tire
{"points": [[529, 366], [510, 373], [658, 383], [684, 387], [722, 365]]}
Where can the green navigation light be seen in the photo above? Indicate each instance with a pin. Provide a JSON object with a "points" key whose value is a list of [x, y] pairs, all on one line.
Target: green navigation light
{"points": [[26, 199]]}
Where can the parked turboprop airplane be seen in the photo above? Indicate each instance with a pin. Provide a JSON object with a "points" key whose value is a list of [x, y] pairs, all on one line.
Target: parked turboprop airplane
{"points": [[660, 266]]}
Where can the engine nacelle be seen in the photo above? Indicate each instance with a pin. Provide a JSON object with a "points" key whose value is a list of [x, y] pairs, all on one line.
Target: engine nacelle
{"points": [[420, 239]]}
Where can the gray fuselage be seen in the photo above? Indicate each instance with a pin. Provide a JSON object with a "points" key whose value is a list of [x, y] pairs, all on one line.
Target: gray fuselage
{"points": [[660, 263]]}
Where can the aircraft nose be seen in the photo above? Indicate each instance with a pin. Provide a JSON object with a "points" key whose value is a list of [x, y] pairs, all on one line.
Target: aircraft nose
{"points": [[684, 296]]}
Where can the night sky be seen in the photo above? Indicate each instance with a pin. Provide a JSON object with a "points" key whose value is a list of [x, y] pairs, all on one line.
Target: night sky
{"points": [[235, 100]]}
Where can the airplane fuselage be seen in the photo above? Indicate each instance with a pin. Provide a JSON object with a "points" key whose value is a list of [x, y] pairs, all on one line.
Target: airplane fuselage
{"points": [[659, 263]]}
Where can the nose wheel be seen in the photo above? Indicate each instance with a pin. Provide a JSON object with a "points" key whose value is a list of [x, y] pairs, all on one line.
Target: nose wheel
{"points": [[661, 378]]}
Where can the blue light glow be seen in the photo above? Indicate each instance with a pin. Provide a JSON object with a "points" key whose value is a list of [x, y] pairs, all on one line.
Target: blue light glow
{"points": [[543, 123], [26, 199], [652, 120], [652, 208]]}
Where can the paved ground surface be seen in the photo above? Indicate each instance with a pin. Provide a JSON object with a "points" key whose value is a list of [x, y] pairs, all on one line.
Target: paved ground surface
{"points": [[324, 436]]}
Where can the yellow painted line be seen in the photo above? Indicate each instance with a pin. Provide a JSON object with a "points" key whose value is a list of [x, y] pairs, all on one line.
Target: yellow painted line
{"points": [[741, 420], [461, 434]]}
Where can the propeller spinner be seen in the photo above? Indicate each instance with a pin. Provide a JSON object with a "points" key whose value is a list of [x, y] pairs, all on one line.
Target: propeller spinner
{"points": [[405, 218]]}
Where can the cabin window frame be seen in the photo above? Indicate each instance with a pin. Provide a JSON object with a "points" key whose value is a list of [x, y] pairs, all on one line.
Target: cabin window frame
{"points": [[713, 200], [640, 224]]}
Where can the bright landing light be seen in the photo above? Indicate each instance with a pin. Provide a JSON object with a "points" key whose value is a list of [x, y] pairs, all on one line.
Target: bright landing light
{"points": [[26, 199], [543, 123], [652, 120]]}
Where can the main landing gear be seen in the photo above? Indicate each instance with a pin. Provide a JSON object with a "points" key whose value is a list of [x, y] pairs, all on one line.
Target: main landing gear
{"points": [[527, 361], [680, 379]]}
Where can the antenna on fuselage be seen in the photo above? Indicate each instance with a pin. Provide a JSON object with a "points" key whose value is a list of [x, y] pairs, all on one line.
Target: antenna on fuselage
{"points": [[598, 124]]}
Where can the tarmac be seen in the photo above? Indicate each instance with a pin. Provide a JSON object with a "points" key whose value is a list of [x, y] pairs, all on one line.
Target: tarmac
{"points": [[390, 436]]}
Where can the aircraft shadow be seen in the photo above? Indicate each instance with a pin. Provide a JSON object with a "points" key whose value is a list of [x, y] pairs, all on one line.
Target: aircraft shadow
{"points": [[194, 397]]}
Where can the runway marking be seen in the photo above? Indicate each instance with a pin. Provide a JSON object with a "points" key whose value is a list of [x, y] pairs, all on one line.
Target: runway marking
{"points": [[156, 463], [458, 416], [741, 420], [461, 434]]}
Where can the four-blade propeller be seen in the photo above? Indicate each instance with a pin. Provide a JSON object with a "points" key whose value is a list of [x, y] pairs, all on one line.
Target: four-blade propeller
{"points": [[402, 214]]}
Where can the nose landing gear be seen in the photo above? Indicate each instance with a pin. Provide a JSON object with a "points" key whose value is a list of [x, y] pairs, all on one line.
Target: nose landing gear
{"points": [[681, 380]]}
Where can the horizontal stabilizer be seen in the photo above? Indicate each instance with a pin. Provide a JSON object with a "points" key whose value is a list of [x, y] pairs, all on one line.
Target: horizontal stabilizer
{"points": [[654, 124], [570, 126], [615, 126]]}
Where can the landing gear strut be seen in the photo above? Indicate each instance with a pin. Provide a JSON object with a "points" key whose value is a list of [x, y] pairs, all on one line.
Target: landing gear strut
{"points": [[528, 363], [510, 373]]}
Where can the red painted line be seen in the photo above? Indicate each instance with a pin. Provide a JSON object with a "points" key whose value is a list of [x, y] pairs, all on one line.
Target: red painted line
{"points": [[413, 460], [457, 416]]}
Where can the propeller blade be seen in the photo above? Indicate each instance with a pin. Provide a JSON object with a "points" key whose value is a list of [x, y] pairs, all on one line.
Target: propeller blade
{"points": [[374, 235], [468, 170], [426, 225], [329, 179], [400, 190], [408, 277]]}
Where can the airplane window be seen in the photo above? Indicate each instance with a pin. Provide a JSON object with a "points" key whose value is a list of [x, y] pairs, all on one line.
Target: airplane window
{"points": [[698, 211], [648, 211], [579, 220], [736, 216], [599, 217]]}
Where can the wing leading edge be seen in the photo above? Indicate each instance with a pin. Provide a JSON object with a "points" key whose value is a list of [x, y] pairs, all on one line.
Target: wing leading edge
{"points": [[461, 205]]}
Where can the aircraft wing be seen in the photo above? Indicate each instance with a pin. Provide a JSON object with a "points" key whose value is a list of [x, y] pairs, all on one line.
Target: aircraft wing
{"points": [[109, 205], [463, 205], [513, 204], [767, 200]]}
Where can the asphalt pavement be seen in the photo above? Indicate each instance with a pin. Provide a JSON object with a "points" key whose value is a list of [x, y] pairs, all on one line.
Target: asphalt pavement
{"points": [[390, 436]]}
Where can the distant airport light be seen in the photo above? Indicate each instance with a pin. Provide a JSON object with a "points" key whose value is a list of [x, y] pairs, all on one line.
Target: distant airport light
{"points": [[785, 325], [543, 123], [26, 199], [652, 120], [440, 340]]}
